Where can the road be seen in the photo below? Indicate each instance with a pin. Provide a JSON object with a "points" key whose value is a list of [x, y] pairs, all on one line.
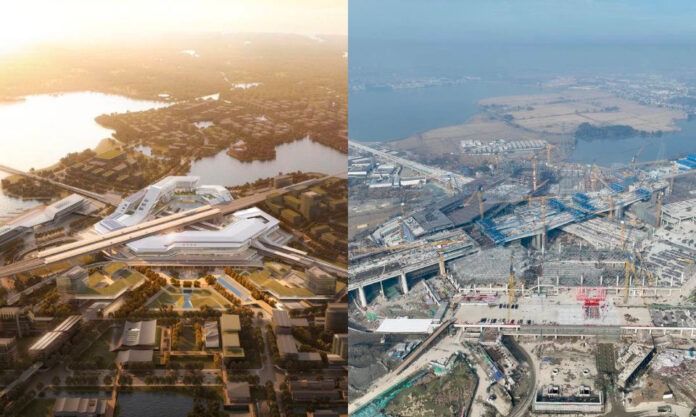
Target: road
{"points": [[520, 409], [416, 360], [110, 200], [139, 231], [432, 172]]}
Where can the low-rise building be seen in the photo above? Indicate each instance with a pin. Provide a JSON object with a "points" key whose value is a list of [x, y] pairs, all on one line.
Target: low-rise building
{"points": [[281, 322], [8, 352], [287, 347], [320, 282], [212, 335], [339, 346], [230, 326], [79, 407], [138, 335], [336, 317]]}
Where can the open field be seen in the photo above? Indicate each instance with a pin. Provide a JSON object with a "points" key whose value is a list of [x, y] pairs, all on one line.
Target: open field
{"points": [[563, 112], [101, 348], [448, 139], [549, 117], [435, 396]]}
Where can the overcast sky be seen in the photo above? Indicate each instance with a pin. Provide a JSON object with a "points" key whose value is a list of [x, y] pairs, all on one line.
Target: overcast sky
{"points": [[525, 20]]}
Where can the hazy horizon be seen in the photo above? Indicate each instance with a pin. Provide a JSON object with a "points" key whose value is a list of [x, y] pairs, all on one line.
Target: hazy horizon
{"points": [[76, 21], [534, 21]]}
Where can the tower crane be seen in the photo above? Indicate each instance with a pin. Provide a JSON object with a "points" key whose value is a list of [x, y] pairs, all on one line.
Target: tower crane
{"points": [[511, 287], [478, 194], [534, 172]]}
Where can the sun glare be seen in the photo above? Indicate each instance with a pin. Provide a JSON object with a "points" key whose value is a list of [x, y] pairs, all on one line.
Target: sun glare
{"points": [[48, 21]]}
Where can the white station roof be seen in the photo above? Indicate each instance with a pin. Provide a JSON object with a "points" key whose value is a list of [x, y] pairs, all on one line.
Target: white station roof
{"points": [[405, 325]]}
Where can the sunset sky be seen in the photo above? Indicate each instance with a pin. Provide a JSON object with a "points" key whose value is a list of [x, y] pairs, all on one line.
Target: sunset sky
{"points": [[40, 21]]}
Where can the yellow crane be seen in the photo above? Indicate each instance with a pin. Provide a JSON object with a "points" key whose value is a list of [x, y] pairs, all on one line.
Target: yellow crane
{"points": [[511, 287], [479, 195], [534, 172], [628, 268]]}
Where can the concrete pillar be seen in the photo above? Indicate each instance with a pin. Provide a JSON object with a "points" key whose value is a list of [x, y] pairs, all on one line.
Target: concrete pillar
{"points": [[404, 283], [601, 280], [558, 281], [582, 280], [617, 280], [362, 297]]}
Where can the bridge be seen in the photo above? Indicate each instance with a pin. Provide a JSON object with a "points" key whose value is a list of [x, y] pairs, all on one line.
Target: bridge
{"points": [[110, 200], [122, 236]]}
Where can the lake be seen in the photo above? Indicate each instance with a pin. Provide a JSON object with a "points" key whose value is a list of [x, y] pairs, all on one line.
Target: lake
{"points": [[382, 115], [606, 152], [39, 130], [300, 155]]}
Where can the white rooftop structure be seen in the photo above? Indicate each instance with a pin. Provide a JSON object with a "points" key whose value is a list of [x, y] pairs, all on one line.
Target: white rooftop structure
{"points": [[79, 406], [134, 356], [247, 225], [406, 326], [141, 333], [678, 212], [212, 335], [42, 215], [145, 203]]}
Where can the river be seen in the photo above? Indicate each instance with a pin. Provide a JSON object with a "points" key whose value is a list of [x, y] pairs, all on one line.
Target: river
{"points": [[300, 155], [40, 129]]}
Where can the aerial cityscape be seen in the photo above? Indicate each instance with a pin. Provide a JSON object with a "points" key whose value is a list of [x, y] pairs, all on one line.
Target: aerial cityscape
{"points": [[522, 211], [173, 216], [334, 208]]}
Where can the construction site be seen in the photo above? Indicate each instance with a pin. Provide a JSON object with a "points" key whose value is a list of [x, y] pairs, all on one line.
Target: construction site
{"points": [[561, 258]]}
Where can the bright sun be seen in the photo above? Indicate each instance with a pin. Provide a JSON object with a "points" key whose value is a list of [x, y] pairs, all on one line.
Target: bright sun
{"points": [[49, 21]]}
